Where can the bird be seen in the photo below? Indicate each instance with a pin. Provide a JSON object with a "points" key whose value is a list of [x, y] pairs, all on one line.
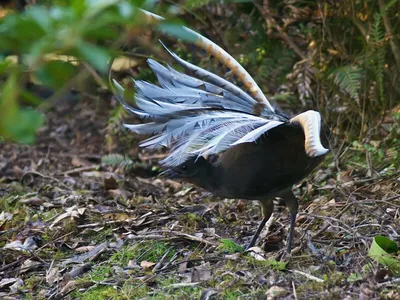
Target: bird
{"points": [[230, 141]]}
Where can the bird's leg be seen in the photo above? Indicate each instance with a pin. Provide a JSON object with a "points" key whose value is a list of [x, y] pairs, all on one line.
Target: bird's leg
{"points": [[267, 209], [293, 205]]}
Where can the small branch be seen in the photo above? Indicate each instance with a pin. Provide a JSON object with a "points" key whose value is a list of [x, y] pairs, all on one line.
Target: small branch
{"points": [[388, 27], [309, 276], [45, 177], [283, 35]]}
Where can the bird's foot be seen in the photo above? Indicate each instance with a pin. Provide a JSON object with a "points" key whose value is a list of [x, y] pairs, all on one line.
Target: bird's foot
{"points": [[283, 255], [247, 246]]}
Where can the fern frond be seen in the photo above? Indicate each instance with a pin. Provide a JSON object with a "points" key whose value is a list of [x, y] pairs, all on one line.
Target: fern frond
{"points": [[348, 79], [117, 160], [377, 38]]}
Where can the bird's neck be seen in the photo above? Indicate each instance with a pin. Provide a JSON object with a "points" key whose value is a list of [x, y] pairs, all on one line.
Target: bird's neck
{"points": [[211, 176]]}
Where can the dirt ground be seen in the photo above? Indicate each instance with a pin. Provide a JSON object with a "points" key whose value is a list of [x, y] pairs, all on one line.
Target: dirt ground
{"points": [[74, 224]]}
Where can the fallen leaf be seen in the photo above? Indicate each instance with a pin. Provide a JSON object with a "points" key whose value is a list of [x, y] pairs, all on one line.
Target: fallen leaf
{"points": [[207, 294], [17, 285], [52, 276], [275, 291], [5, 282], [110, 183], [32, 201], [84, 249], [72, 212], [29, 265], [28, 245], [146, 264]]}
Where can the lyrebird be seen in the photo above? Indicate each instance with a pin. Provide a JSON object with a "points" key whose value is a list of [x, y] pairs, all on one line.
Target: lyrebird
{"points": [[230, 141]]}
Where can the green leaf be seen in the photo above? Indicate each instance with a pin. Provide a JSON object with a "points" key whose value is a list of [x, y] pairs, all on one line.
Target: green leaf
{"points": [[349, 79], [79, 6], [22, 128], [40, 16], [354, 277], [55, 73], [8, 98], [176, 30], [276, 264], [17, 124], [96, 56], [229, 246], [382, 250], [4, 66]]}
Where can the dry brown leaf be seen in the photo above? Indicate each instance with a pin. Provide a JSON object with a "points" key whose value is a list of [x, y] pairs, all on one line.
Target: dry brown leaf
{"points": [[53, 275], [275, 292], [146, 264], [84, 249], [32, 201], [110, 183]]}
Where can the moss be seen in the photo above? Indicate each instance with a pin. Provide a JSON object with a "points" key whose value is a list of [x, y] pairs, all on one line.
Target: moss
{"points": [[229, 246], [150, 251], [100, 273], [100, 292], [32, 282], [190, 220], [101, 236]]}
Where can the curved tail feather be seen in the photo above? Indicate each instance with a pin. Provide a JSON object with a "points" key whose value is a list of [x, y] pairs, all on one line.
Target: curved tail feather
{"points": [[310, 121], [226, 60]]}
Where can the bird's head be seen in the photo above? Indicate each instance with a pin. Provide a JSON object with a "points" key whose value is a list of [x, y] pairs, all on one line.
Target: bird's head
{"points": [[195, 170]]}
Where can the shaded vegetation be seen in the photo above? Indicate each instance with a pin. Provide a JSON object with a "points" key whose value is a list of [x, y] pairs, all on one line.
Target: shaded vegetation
{"points": [[82, 213]]}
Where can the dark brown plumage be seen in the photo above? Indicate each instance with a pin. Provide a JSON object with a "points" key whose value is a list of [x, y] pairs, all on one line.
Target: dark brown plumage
{"points": [[232, 142], [257, 171]]}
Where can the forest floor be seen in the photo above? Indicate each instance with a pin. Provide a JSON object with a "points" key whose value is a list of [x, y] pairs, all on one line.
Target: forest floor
{"points": [[73, 226]]}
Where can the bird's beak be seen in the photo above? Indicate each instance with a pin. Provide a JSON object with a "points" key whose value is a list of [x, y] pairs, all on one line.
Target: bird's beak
{"points": [[169, 173]]}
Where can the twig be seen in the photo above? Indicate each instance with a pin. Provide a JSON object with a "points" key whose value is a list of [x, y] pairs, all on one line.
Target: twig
{"points": [[317, 252], [392, 39], [338, 215], [394, 281], [161, 261], [150, 237], [283, 35], [45, 177], [309, 276], [143, 157], [181, 285], [294, 290], [190, 237], [79, 170]]}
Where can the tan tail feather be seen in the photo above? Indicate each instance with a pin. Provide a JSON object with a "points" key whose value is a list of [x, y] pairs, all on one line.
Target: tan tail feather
{"points": [[310, 121], [226, 60]]}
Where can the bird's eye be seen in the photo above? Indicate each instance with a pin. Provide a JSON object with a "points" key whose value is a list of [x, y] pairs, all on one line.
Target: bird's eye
{"points": [[184, 167]]}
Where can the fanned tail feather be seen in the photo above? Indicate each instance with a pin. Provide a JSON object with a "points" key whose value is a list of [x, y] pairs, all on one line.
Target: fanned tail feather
{"points": [[225, 59], [186, 120], [197, 117]]}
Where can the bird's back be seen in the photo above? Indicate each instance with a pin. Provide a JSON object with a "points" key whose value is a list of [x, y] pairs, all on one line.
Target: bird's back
{"points": [[262, 169]]}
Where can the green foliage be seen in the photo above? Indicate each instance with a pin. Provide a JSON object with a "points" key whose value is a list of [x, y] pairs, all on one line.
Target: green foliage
{"points": [[361, 66], [16, 123], [229, 246], [50, 40], [117, 160], [348, 78], [384, 251], [102, 292]]}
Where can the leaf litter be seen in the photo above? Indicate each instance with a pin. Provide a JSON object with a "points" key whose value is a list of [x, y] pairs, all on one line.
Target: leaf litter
{"points": [[71, 225]]}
